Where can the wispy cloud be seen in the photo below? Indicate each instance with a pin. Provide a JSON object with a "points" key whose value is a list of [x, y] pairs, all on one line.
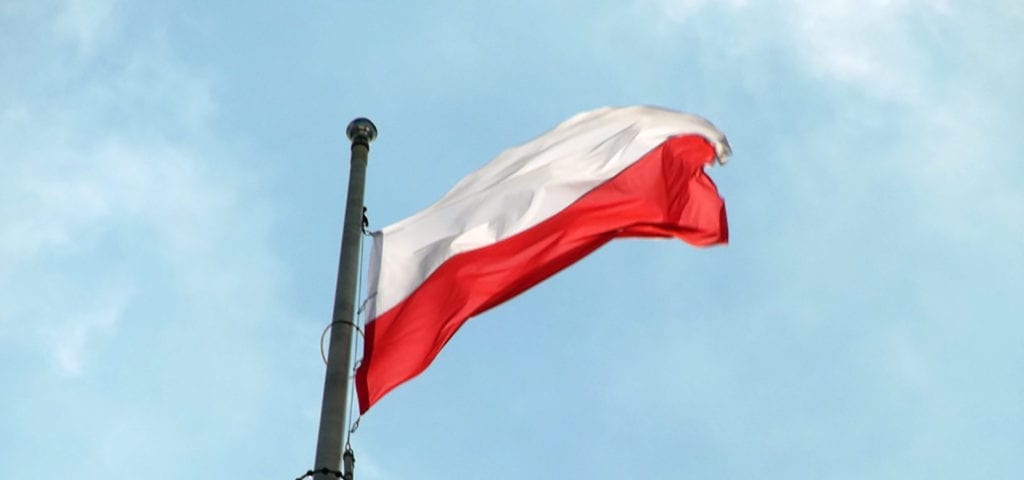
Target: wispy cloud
{"points": [[136, 270], [872, 44], [88, 24], [682, 10], [92, 201], [71, 339], [908, 69]]}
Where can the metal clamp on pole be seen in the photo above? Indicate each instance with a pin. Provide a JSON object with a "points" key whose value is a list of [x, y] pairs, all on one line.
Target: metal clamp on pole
{"points": [[339, 356], [349, 461]]}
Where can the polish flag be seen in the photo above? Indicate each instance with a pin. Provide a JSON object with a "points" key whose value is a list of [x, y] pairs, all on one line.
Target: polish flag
{"points": [[532, 211]]}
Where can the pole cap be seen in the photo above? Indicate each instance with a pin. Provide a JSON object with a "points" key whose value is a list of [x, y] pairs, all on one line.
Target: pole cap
{"points": [[361, 130]]}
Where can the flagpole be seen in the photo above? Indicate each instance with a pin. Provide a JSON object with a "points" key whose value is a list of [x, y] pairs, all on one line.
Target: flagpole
{"points": [[361, 132]]}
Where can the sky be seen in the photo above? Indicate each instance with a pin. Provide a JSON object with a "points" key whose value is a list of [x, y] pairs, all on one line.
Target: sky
{"points": [[172, 181]]}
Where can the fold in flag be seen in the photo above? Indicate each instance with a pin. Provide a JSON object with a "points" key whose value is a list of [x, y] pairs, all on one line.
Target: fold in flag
{"points": [[529, 213]]}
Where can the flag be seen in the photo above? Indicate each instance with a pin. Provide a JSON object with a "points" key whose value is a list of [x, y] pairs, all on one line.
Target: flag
{"points": [[532, 211]]}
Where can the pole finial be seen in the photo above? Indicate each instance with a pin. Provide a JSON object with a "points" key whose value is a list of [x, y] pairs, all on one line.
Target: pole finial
{"points": [[361, 130]]}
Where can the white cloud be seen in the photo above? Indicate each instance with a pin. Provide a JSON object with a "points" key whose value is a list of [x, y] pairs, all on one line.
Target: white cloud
{"points": [[112, 179], [869, 44], [963, 172], [87, 23], [946, 110], [72, 210], [71, 338], [681, 10]]}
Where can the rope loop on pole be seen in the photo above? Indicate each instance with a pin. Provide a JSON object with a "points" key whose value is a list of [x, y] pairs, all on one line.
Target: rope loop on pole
{"points": [[323, 335]]}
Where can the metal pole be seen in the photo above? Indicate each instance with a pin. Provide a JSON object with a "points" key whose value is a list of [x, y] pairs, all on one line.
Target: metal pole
{"points": [[339, 358]]}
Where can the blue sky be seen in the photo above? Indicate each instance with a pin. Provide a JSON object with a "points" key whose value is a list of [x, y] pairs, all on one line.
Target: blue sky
{"points": [[172, 179]]}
